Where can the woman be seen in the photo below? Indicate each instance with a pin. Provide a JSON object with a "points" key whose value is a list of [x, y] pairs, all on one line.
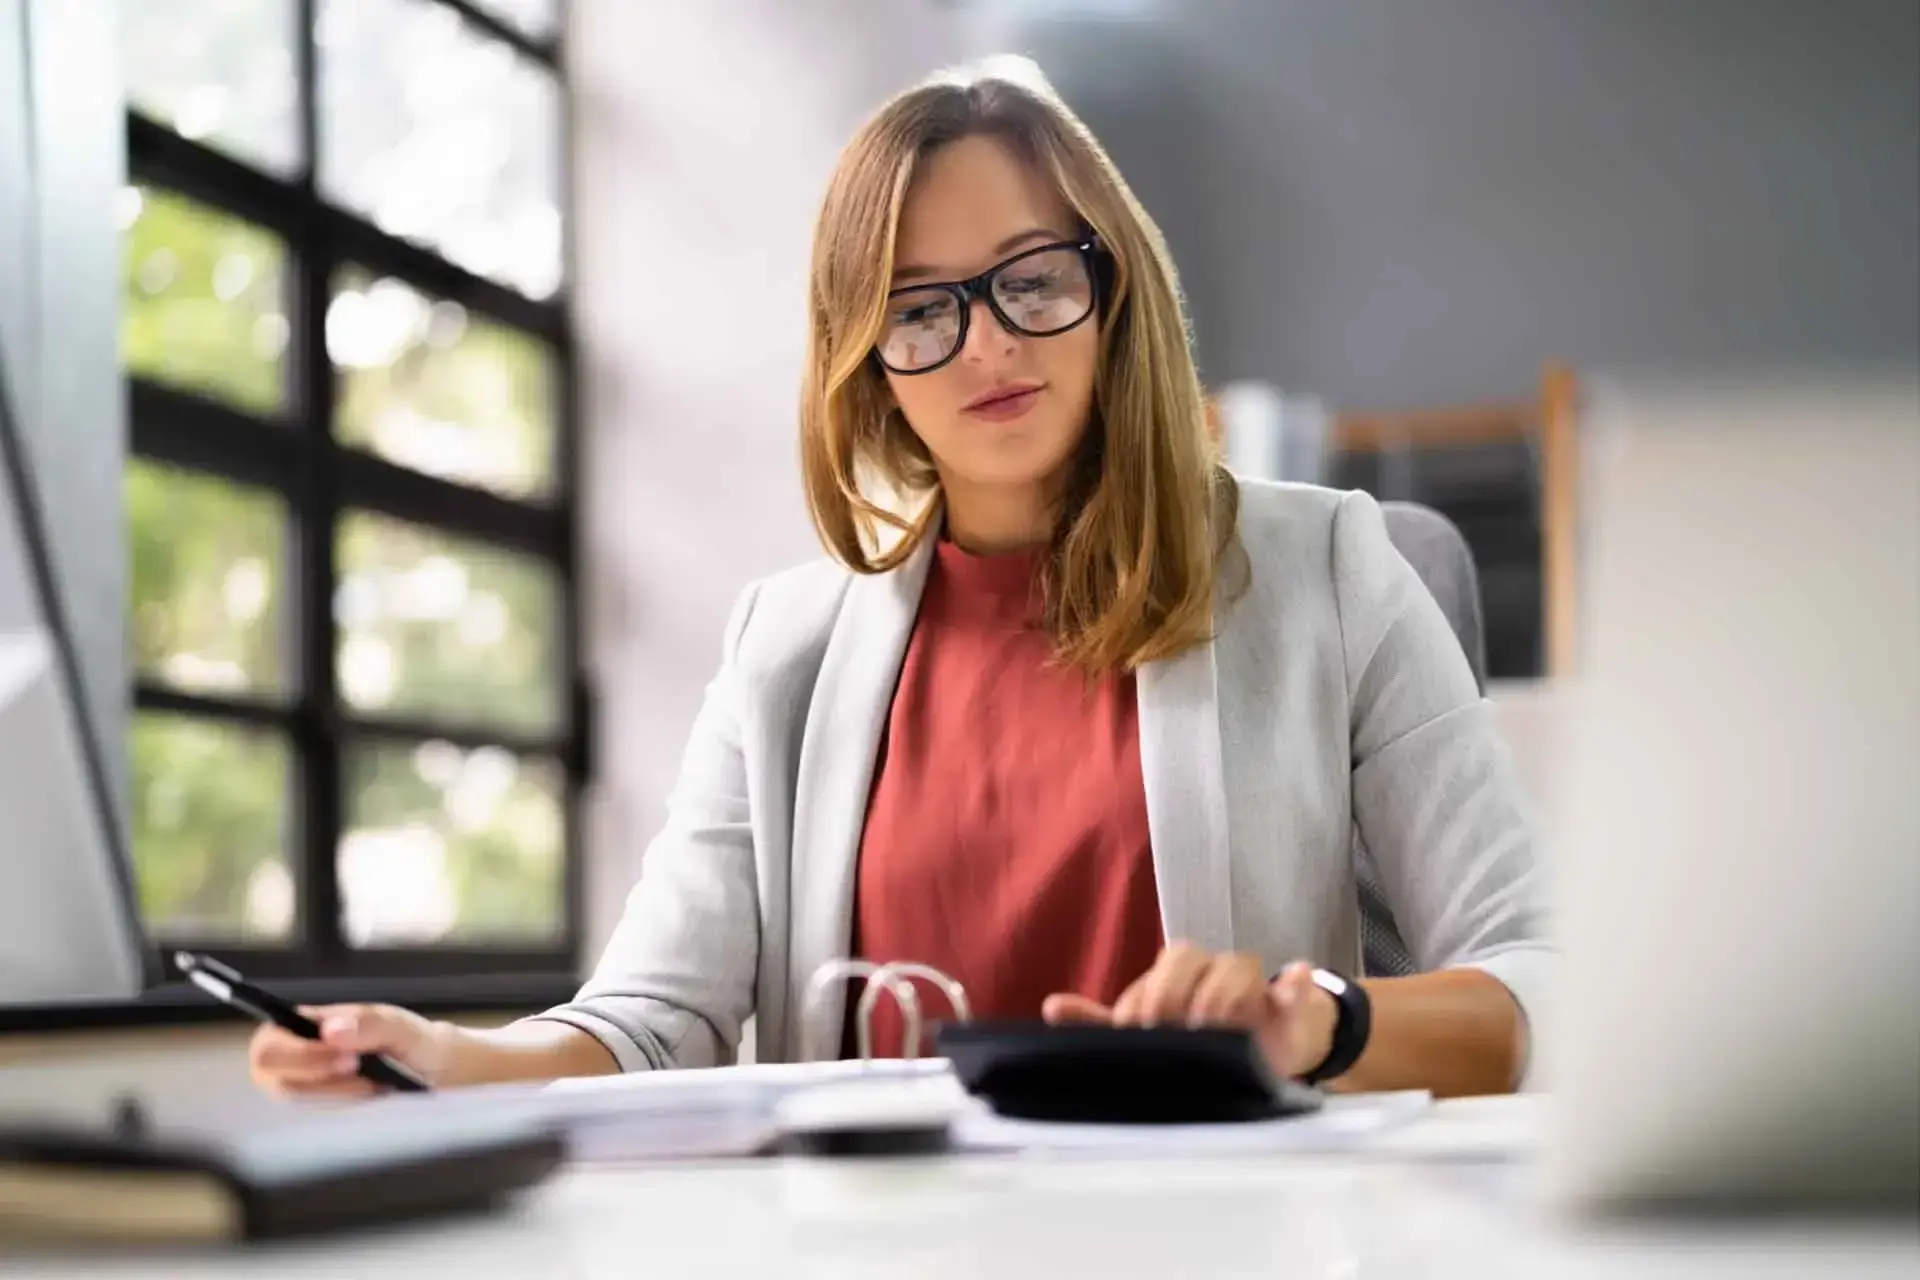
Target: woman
{"points": [[1096, 731]]}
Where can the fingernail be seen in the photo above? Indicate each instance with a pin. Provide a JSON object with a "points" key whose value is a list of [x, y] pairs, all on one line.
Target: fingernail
{"points": [[347, 1063]]}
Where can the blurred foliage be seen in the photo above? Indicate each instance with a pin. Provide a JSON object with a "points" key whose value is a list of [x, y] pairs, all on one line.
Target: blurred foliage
{"points": [[431, 627], [445, 629], [205, 582], [209, 812], [499, 819], [202, 300], [426, 385]]}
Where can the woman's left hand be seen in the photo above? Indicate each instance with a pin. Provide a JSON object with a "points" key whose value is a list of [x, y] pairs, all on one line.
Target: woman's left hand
{"points": [[1291, 1018]]}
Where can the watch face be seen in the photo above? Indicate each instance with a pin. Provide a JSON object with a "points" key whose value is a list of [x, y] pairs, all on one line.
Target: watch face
{"points": [[1331, 983]]}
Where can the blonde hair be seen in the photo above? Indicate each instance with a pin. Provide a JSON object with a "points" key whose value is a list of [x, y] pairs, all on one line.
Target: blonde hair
{"points": [[1147, 510]]}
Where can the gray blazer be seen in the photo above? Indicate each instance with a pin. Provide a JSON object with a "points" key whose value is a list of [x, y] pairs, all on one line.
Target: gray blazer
{"points": [[1333, 703]]}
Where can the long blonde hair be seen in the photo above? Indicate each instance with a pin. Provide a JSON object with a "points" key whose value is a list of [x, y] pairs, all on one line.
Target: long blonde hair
{"points": [[1147, 510]]}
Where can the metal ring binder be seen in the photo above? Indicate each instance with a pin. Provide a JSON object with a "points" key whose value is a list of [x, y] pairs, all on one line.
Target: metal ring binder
{"points": [[900, 969], [894, 978]]}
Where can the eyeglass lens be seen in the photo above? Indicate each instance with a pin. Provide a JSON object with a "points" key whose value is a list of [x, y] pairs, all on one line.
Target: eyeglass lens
{"points": [[1035, 294]]}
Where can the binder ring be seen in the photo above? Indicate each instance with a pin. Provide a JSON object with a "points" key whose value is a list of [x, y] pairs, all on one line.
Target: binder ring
{"points": [[902, 970], [895, 978]]}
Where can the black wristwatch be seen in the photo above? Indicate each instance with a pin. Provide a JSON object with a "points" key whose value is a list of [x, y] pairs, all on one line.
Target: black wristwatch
{"points": [[1350, 1031]]}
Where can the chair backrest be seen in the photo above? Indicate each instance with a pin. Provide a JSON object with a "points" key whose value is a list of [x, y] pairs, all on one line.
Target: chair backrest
{"points": [[1438, 552]]}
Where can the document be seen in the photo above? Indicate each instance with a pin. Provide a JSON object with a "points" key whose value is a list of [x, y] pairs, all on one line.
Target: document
{"points": [[662, 1115], [732, 1111]]}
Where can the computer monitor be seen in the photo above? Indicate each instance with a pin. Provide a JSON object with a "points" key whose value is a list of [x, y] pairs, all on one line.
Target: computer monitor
{"points": [[69, 922]]}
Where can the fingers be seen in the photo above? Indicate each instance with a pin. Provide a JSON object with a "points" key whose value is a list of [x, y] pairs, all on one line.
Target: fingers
{"points": [[275, 1050], [1192, 987], [1290, 1039], [359, 1027], [314, 1071], [1072, 1008], [289, 1065], [286, 1065], [1232, 993], [1164, 994], [1294, 985]]}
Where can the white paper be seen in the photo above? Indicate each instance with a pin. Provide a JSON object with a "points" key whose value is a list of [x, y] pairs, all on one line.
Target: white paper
{"points": [[734, 1111], [659, 1115]]}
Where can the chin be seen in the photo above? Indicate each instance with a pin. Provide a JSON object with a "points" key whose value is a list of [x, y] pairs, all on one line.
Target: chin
{"points": [[1015, 458], [1011, 470]]}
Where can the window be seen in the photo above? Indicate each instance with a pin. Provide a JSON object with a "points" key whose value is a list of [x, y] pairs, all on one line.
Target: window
{"points": [[358, 740]]}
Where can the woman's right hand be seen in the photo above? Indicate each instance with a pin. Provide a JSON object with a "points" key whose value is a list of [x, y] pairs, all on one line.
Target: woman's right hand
{"points": [[288, 1065]]}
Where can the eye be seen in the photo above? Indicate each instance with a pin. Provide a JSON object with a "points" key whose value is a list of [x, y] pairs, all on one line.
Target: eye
{"points": [[926, 313], [1032, 282], [922, 310]]}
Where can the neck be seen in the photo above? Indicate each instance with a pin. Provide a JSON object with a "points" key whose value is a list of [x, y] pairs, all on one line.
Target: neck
{"points": [[987, 521]]}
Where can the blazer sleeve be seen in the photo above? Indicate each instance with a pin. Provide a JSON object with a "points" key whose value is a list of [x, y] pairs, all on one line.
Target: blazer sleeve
{"points": [[1435, 793], [675, 984]]}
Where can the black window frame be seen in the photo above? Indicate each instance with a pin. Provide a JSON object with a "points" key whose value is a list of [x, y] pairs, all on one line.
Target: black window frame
{"points": [[297, 456]]}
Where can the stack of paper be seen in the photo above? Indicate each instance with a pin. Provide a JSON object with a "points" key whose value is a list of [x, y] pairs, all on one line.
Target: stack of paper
{"points": [[665, 1115], [731, 1111]]}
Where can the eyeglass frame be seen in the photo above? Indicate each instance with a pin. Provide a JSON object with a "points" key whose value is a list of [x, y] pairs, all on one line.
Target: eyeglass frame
{"points": [[980, 287]]}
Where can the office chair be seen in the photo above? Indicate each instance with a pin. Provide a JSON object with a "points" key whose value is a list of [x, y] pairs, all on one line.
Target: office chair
{"points": [[1440, 556]]}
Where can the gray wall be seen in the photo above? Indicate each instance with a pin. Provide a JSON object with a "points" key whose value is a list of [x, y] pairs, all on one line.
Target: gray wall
{"points": [[62, 163], [1391, 202]]}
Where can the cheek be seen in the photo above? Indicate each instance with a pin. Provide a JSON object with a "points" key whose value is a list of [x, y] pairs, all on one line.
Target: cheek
{"points": [[1069, 362], [927, 400]]}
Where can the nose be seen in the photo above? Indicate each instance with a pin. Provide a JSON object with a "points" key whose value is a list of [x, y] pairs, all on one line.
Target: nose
{"points": [[987, 339]]}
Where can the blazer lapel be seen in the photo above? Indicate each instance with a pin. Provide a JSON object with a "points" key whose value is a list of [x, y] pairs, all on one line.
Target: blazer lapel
{"points": [[847, 715], [1186, 797]]}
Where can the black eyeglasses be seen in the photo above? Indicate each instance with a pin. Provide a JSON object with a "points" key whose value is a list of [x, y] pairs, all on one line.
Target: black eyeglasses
{"points": [[1036, 294]]}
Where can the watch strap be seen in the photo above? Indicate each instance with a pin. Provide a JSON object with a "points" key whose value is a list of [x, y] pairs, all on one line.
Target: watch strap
{"points": [[1351, 1028]]}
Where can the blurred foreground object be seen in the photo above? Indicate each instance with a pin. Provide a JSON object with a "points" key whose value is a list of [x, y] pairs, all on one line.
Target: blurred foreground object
{"points": [[1738, 851], [68, 927]]}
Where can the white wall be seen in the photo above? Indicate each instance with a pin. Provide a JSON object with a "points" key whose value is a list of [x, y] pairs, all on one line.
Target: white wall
{"points": [[704, 136]]}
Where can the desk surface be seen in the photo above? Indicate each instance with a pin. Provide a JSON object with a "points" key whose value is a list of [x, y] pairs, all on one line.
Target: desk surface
{"points": [[1385, 1214]]}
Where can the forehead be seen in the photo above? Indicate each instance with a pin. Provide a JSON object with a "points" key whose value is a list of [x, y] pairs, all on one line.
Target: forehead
{"points": [[969, 197]]}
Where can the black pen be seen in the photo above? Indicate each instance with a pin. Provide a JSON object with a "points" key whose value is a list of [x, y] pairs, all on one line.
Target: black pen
{"points": [[224, 984]]}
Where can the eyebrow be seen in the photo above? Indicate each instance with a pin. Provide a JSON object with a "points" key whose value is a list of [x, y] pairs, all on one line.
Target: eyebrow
{"points": [[1012, 242]]}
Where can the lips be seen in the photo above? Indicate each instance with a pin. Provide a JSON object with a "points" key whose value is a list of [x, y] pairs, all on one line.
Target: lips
{"points": [[1008, 401]]}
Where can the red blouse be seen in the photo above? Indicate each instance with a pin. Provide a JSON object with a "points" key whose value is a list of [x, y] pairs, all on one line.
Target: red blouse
{"points": [[1006, 838]]}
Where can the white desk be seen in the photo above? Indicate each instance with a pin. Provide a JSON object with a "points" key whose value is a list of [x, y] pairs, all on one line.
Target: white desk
{"points": [[1007, 1218]]}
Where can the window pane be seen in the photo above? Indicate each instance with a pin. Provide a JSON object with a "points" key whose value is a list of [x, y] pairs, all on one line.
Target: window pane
{"points": [[206, 560], [538, 18], [202, 300], [440, 628], [217, 71], [426, 385], [209, 830], [445, 845], [442, 135]]}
